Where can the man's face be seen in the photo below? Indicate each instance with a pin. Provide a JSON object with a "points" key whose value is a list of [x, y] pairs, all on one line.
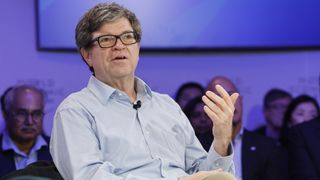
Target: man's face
{"points": [[117, 62], [24, 119], [275, 110]]}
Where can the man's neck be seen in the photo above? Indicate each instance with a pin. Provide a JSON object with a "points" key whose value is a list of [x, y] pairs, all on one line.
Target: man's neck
{"points": [[126, 84], [24, 146], [272, 132]]}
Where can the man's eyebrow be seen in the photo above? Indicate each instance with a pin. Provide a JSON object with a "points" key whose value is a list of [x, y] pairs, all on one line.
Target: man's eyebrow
{"points": [[23, 109], [111, 34]]}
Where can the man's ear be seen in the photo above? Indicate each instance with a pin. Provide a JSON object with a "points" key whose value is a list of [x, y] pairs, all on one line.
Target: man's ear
{"points": [[6, 118], [86, 55], [265, 111]]}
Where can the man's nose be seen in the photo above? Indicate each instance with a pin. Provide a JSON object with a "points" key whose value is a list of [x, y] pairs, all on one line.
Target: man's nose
{"points": [[29, 119], [119, 44]]}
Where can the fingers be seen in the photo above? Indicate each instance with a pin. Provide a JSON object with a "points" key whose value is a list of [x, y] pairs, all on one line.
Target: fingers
{"points": [[220, 176], [212, 115], [230, 100], [217, 170], [200, 175], [220, 105], [224, 94], [215, 99], [211, 108], [224, 101], [234, 97]]}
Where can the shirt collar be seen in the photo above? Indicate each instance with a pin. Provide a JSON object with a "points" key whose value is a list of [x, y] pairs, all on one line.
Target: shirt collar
{"points": [[8, 144], [104, 92], [142, 88]]}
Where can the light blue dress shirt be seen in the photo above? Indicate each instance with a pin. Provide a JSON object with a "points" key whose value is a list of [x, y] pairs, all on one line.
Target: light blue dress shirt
{"points": [[97, 134], [22, 159], [237, 146]]}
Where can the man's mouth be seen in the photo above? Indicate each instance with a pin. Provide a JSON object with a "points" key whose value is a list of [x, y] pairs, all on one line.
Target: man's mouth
{"points": [[120, 57], [28, 130]]}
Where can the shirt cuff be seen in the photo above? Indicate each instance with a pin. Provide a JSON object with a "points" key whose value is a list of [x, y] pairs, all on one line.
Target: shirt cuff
{"points": [[224, 162]]}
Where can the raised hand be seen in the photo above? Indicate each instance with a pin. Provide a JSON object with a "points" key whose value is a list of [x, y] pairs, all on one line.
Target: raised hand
{"points": [[220, 109]]}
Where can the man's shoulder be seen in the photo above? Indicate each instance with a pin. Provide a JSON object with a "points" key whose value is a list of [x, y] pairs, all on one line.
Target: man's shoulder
{"points": [[43, 152], [46, 138], [254, 137], [76, 99], [1, 139], [2, 152], [260, 130], [264, 148], [6, 158], [163, 98], [160, 95]]}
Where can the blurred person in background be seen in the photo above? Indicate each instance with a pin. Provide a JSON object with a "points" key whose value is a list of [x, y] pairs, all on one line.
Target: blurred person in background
{"points": [[275, 104], [301, 136], [22, 141], [200, 122], [301, 109], [303, 150], [188, 91]]}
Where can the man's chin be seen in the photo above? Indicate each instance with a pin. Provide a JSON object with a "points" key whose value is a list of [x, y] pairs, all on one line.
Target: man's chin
{"points": [[28, 136]]}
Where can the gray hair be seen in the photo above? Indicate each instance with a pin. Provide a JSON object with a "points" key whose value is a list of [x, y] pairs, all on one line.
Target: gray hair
{"points": [[8, 97], [97, 16]]}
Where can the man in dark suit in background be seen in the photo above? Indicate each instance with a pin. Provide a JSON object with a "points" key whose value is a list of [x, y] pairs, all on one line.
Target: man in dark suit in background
{"points": [[275, 104], [22, 142], [256, 157]]}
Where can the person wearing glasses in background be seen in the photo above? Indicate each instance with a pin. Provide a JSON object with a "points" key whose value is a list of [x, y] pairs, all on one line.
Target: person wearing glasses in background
{"points": [[118, 128], [275, 104], [22, 141]]}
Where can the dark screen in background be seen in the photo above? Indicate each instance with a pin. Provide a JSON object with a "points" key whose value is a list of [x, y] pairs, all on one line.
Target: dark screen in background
{"points": [[207, 24]]}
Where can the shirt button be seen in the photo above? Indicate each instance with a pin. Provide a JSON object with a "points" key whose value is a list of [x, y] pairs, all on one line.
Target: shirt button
{"points": [[147, 132], [217, 163], [252, 148]]}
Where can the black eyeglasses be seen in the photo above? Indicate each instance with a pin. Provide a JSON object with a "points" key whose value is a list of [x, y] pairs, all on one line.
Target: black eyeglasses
{"points": [[106, 41], [22, 115]]}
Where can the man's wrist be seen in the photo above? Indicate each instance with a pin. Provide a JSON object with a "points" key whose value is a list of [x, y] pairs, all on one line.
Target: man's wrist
{"points": [[221, 147]]}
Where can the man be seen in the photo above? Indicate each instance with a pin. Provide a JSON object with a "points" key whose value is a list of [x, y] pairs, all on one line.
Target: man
{"points": [[255, 156], [275, 104], [117, 128], [22, 142]]}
